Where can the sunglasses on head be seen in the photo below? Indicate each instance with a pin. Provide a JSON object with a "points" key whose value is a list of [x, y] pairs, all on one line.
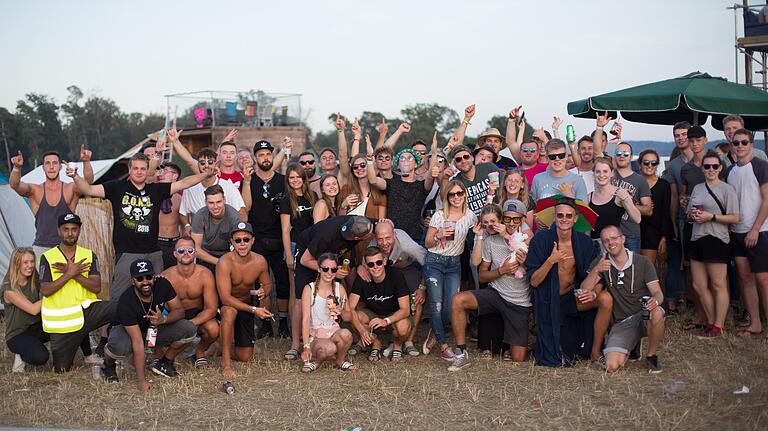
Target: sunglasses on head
{"points": [[560, 156], [508, 219], [306, 162], [623, 153], [359, 166], [737, 142], [459, 194], [144, 278], [708, 166], [375, 263], [420, 152], [529, 150], [189, 250], [383, 158], [242, 239], [564, 215], [459, 159], [651, 162], [206, 162], [334, 270]]}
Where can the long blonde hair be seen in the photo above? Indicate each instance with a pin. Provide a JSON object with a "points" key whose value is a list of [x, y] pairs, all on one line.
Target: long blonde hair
{"points": [[522, 195], [332, 203], [444, 195], [14, 270], [293, 197]]}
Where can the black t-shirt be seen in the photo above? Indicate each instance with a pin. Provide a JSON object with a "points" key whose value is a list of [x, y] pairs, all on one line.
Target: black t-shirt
{"points": [[135, 213], [131, 310], [326, 237], [303, 221], [404, 202], [264, 215], [381, 299]]}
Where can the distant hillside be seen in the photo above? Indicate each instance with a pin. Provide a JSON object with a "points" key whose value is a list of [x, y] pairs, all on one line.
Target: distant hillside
{"points": [[665, 147]]}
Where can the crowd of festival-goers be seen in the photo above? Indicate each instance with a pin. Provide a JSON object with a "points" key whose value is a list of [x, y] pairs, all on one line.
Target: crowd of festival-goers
{"points": [[347, 252]]}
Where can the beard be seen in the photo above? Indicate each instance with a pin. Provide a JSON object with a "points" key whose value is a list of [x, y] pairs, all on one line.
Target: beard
{"points": [[310, 172], [266, 166]]}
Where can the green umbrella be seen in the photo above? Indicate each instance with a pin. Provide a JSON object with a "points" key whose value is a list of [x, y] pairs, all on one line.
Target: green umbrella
{"points": [[693, 98]]}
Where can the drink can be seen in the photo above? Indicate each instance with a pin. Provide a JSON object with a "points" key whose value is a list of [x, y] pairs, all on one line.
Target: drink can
{"points": [[615, 128], [228, 387], [151, 336], [96, 372], [412, 299], [345, 265], [570, 133], [646, 313]]}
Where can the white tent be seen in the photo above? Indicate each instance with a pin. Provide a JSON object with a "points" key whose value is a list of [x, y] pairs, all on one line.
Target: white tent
{"points": [[17, 224]]}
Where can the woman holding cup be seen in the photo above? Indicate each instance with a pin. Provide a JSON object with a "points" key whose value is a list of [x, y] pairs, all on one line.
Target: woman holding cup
{"points": [[445, 238]]}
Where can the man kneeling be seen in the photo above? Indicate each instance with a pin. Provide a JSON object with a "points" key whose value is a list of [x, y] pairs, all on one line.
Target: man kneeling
{"points": [[385, 295], [140, 314]]}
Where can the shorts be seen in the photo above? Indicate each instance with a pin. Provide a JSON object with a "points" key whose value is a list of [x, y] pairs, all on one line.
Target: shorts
{"points": [[192, 313], [625, 335], [709, 249], [119, 344], [245, 334], [367, 311], [757, 255], [515, 316], [650, 237], [166, 246]]}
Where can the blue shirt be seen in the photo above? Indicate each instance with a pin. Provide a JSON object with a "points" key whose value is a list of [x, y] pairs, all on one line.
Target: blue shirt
{"points": [[544, 185]]}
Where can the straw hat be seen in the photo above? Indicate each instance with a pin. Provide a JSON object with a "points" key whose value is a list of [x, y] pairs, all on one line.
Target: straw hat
{"points": [[488, 133]]}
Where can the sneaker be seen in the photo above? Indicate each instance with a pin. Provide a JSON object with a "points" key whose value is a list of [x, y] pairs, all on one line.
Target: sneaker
{"points": [[265, 330], [634, 355], [282, 329], [388, 351], [165, 367], [653, 364], [460, 361], [110, 373], [429, 343], [18, 364], [709, 333], [448, 354], [410, 349]]}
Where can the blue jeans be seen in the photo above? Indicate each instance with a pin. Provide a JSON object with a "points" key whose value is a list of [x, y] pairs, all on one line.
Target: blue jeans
{"points": [[443, 277], [632, 243]]}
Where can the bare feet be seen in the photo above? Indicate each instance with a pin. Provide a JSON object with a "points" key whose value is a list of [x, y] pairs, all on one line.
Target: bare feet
{"points": [[229, 372]]}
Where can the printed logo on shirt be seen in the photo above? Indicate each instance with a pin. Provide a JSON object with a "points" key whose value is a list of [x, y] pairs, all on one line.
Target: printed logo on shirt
{"points": [[476, 196], [626, 186], [136, 212], [379, 298]]}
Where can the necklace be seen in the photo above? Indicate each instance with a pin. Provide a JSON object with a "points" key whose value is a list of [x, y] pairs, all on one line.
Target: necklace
{"points": [[151, 296]]}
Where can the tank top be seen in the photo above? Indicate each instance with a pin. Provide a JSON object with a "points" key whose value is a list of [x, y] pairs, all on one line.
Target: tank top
{"points": [[46, 221], [321, 317], [607, 214]]}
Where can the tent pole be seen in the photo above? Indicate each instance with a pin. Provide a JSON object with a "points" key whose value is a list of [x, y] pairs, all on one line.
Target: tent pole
{"points": [[695, 118]]}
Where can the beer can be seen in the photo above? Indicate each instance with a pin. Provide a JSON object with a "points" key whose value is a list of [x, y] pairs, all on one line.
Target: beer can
{"points": [[345, 265], [228, 387], [151, 336], [646, 313], [412, 299], [570, 133]]}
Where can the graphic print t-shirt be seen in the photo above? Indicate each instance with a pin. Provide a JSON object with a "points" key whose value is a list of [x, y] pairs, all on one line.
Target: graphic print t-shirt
{"points": [[131, 310], [382, 298], [135, 213]]}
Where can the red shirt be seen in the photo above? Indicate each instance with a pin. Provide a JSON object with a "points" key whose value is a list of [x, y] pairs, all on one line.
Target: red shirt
{"points": [[530, 173], [236, 178]]}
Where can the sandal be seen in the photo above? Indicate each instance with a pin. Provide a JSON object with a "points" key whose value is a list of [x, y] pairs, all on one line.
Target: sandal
{"points": [[346, 366], [375, 355], [506, 356], [291, 355], [485, 354], [397, 355], [200, 362], [308, 367]]}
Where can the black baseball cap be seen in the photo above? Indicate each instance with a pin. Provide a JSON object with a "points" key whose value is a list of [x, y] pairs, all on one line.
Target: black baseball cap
{"points": [[356, 227], [697, 132], [262, 145], [141, 267], [70, 218], [241, 227]]}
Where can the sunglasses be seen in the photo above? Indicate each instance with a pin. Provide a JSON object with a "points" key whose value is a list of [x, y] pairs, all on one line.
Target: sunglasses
{"points": [[265, 187], [239, 240], [306, 162], [707, 166], [564, 215], [144, 278], [334, 270], [623, 153], [383, 158], [650, 162], [459, 194], [189, 250], [359, 166], [440, 160], [737, 142], [508, 219], [208, 162], [407, 158], [560, 156], [422, 153], [529, 150], [376, 263], [459, 159]]}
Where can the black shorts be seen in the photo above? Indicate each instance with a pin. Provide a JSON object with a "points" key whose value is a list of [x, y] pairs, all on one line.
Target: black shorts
{"points": [[303, 277], [650, 237], [757, 255], [515, 317], [192, 313], [709, 249], [245, 334]]}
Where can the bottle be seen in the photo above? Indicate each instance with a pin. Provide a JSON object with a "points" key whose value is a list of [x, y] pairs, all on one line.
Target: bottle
{"points": [[151, 336], [412, 299], [345, 265], [228, 387], [570, 133], [96, 371]]}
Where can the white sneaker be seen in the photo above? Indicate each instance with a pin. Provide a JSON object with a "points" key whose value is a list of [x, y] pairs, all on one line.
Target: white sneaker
{"points": [[18, 364], [93, 359]]}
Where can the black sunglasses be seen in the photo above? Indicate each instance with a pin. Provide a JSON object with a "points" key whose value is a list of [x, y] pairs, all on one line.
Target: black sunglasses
{"points": [[334, 270], [651, 162], [384, 158], [459, 159], [375, 263], [458, 194], [144, 278], [560, 156], [207, 162], [708, 166], [359, 166], [737, 142], [265, 187], [241, 239], [306, 162], [421, 152], [189, 250]]}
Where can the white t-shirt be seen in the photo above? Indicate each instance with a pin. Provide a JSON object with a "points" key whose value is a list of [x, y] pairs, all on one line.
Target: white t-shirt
{"points": [[747, 180], [463, 225], [194, 197], [588, 177]]}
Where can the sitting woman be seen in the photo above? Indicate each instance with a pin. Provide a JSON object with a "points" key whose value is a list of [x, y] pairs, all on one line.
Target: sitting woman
{"points": [[23, 327], [324, 303]]}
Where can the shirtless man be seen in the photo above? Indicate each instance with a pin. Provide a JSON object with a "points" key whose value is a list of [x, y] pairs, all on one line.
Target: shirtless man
{"points": [[236, 274], [169, 214], [196, 288], [571, 253], [50, 199]]}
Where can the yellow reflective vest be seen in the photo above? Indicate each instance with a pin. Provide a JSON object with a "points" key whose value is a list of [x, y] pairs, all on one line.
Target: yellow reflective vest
{"points": [[62, 312]]}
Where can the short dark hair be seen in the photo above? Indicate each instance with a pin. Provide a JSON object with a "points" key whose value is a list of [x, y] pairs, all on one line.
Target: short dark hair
{"points": [[631, 150], [725, 147], [681, 125], [711, 154], [214, 190], [372, 251], [149, 144], [173, 166], [306, 153], [584, 138], [328, 149], [746, 132], [611, 226], [419, 142], [52, 153], [206, 153], [232, 143], [646, 152], [383, 150], [594, 132]]}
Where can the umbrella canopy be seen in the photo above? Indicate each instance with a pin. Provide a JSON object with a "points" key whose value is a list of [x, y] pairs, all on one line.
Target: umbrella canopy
{"points": [[693, 98], [545, 211]]}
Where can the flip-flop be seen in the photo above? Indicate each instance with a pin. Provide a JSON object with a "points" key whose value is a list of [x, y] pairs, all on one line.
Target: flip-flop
{"points": [[308, 367], [506, 356], [375, 355], [200, 362], [346, 366], [748, 333], [397, 356], [291, 355], [485, 354]]}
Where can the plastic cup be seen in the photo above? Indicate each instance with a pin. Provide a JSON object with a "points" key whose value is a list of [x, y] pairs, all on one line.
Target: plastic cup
{"points": [[493, 178], [449, 224]]}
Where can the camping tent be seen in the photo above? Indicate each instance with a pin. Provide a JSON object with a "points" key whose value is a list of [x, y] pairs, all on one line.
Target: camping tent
{"points": [[17, 223]]}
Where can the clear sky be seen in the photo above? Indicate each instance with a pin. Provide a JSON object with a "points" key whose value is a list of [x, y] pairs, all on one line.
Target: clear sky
{"points": [[353, 55]]}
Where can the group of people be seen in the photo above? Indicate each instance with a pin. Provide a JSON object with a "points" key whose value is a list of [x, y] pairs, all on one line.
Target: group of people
{"points": [[352, 250]]}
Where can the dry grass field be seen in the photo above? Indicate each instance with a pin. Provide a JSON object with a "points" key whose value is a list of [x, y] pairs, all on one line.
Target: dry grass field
{"points": [[418, 393]]}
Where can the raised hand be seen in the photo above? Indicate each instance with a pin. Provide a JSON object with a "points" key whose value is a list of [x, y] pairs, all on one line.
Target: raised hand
{"points": [[85, 155], [247, 172], [368, 144], [556, 122], [69, 170], [230, 136], [434, 141], [404, 128], [341, 123], [514, 113], [539, 133], [622, 194], [161, 145], [602, 119], [477, 228], [604, 264], [452, 142], [383, 127], [173, 134], [356, 130], [18, 160], [469, 112]]}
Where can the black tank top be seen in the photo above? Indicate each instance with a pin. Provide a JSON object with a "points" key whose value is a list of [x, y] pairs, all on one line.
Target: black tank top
{"points": [[607, 214]]}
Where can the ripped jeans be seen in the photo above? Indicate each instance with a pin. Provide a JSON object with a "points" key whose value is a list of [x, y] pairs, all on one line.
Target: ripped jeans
{"points": [[442, 274]]}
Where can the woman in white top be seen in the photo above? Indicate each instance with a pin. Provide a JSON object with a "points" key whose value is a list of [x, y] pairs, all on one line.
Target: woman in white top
{"points": [[447, 231], [324, 304]]}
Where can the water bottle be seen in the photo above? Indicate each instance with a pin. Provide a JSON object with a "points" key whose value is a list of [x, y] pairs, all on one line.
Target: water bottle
{"points": [[96, 372]]}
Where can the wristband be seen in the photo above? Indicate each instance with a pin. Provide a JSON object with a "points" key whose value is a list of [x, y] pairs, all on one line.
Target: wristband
{"points": [[466, 122], [307, 346], [253, 309], [356, 140], [480, 237], [386, 319]]}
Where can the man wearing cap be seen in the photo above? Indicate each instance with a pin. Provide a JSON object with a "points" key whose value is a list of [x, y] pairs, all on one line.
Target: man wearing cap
{"points": [[337, 235], [265, 189], [69, 283], [211, 227], [493, 138], [240, 275], [525, 152], [149, 311], [557, 262]]}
